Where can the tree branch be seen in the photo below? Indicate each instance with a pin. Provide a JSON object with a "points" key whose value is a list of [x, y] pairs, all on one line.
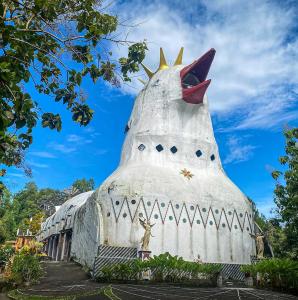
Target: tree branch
{"points": [[42, 50]]}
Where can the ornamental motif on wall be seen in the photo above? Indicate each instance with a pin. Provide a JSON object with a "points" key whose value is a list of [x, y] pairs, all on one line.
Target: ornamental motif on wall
{"points": [[173, 212]]}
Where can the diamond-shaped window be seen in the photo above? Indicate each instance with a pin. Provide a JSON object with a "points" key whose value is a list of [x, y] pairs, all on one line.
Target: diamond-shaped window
{"points": [[141, 147], [199, 153], [159, 148], [212, 157], [174, 149]]}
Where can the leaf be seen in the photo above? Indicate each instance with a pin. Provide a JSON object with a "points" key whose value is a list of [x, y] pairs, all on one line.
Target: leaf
{"points": [[52, 121]]}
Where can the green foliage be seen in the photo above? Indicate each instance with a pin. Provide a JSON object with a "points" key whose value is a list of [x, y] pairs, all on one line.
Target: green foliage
{"points": [[25, 267], [42, 44], [6, 253], [286, 192], [84, 185], [163, 267], [276, 273], [29, 206]]}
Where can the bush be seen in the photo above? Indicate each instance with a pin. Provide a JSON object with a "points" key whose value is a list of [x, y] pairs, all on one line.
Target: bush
{"points": [[163, 267], [5, 253], [25, 267], [277, 273]]}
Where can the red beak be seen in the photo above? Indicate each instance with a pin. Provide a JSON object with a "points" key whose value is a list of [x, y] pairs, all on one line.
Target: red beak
{"points": [[193, 78]]}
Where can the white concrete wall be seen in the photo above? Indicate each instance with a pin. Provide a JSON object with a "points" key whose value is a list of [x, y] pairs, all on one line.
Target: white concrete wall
{"points": [[206, 215], [160, 116]]}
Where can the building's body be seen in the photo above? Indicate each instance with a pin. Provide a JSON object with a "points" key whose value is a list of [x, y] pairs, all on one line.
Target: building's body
{"points": [[171, 174]]}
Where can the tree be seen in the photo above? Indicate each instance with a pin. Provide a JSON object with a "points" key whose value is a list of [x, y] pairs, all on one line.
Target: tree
{"points": [[33, 224], [53, 44], [83, 185], [286, 191]]}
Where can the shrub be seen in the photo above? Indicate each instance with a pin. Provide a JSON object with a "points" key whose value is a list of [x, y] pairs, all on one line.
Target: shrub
{"points": [[25, 267], [277, 273], [163, 267], [5, 253]]}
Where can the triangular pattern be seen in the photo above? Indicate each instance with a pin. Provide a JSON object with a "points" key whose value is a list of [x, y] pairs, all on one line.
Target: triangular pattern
{"points": [[211, 219], [184, 217], [177, 208], [191, 214], [241, 218], [117, 204], [133, 205], [164, 206], [223, 223], [155, 212], [204, 212], [247, 225], [142, 212], [197, 219], [149, 205], [230, 217], [217, 215], [235, 224], [191, 210], [170, 217]]}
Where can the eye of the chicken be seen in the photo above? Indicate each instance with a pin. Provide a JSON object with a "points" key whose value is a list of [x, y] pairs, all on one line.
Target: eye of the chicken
{"points": [[190, 80]]}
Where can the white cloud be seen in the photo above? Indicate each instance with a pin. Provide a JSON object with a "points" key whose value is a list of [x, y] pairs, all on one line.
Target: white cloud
{"points": [[43, 154], [255, 71], [266, 206], [16, 175], [62, 148], [73, 138], [237, 152], [76, 139], [37, 165]]}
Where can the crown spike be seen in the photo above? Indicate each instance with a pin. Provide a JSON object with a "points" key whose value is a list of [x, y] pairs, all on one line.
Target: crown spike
{"points": [[179, 57], [148, 71], [162, 62]]}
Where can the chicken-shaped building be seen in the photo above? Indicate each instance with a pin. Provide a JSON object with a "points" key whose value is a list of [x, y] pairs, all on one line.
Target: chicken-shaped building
{"points": [[170, 175]]}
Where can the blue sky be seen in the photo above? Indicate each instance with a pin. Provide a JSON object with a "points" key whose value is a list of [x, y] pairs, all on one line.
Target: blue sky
{"points": [[253, 94]]}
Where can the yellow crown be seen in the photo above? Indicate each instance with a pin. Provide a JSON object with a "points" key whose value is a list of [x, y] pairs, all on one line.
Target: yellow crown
{"points": [[163, 63]]}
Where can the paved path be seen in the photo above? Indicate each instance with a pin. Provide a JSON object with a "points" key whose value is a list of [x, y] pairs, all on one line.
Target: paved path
{"points": [[130, 291], [68, 278], [63, 278]]}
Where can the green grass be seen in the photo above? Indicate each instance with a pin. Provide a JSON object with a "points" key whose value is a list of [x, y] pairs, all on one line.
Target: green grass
{"points": [[19, 295]]}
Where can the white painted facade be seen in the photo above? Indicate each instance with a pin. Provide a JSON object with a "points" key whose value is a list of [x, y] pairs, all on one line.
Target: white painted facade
{"points": [[206, 215]]}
